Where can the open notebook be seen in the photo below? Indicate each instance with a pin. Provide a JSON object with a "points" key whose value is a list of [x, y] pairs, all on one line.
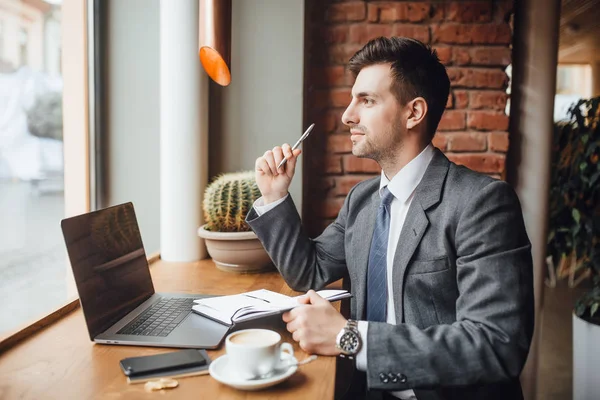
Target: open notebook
{"points": [[232, 309]]}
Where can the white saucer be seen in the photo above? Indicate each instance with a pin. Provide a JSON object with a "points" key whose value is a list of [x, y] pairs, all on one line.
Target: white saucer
{"points": [[219, 370]]}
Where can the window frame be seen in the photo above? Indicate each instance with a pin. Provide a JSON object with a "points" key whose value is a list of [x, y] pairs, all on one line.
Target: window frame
{"points": [[76, 112]]}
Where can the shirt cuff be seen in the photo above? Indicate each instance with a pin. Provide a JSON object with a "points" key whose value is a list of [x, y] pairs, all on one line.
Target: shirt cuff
{"points": [[361, 356], [261, 209]]}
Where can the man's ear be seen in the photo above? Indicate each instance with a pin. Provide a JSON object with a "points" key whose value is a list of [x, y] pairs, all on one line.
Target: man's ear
{"points": [[417, 110]]}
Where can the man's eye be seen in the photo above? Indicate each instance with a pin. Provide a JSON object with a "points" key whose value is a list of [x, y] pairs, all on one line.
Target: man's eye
{"points": [[369, 101]]}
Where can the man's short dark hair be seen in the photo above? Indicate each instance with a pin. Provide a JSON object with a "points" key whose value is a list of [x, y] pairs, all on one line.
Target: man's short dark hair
{"points": [[416, 71]]}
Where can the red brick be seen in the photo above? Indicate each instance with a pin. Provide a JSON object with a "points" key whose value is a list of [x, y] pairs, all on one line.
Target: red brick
{"points": [[469, 11], [345, 12], [440, 140], [353, 164], [466, 141], [324, 185], [330, 207], [503, 10], [482, 162], [487, 56], [500, 56], [437, 13], [339, 144], [343, 184], [324, 77], [461, 55], [452, 120], [457, 99], [487, 120], [477, 78], [373, 12], [340, 127], [338, 97], [327, 121], [444, 53], [498, 141], [471, 33], [461, 98], [491, 100], [396, 11], [450, 101], [333, 164], [341, 53], [419, 32], [335, 34], [362, 33]]}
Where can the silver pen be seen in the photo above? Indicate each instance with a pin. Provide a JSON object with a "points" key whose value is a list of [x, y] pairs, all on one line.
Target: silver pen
{"points": [[297, 144]]}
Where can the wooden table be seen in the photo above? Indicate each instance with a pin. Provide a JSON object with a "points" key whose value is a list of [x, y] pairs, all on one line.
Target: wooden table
{"points": [[61, 362]]}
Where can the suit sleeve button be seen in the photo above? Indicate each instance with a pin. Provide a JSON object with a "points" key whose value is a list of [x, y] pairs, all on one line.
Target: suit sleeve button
{"points": [[392, 377], [401, 377], [383, 377]]}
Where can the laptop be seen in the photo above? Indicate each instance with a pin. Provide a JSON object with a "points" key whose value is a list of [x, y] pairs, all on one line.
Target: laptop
{"points": [[116, 291]]}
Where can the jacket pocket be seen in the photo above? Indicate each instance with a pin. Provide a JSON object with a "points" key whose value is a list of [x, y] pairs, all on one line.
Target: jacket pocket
{"points": [[427, 266]]}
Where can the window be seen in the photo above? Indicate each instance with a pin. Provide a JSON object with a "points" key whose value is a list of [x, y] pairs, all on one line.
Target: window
{"points": [[1, 40], [23, 47], [573, 82], [35, 276]]}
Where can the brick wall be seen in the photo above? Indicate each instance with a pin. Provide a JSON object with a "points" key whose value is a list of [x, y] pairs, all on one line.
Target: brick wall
{"points": [[472, 39]]}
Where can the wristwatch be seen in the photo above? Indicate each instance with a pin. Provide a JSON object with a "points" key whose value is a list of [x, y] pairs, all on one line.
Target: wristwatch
{"points": [[349, 340]]}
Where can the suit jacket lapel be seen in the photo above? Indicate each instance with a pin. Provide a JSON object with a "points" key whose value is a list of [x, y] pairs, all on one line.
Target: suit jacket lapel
{"points": [[427, 194], [365, 220], [415, 224]]}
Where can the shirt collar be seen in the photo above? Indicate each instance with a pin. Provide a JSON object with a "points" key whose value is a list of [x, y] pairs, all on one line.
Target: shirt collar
{"points": [[408, 178]]}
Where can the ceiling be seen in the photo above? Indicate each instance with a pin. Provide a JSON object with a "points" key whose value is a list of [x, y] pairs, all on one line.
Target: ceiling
{"points": [[579, 31]]}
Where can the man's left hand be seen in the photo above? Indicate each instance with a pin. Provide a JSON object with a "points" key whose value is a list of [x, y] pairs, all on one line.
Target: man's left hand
{"points": [[315, 324]]}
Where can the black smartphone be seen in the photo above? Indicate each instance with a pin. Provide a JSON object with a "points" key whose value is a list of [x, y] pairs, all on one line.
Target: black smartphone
{"points": [[133, 366]]}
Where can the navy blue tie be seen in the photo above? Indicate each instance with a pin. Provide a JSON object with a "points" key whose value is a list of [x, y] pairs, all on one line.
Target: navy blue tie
{"points": [[377, 269]]}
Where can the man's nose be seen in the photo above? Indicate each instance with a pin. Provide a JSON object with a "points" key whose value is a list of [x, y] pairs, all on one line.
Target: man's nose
{"points": [[349, 116]]}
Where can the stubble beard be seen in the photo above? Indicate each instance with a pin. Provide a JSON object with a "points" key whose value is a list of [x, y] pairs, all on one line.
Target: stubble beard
{"points": [[381, 154]]}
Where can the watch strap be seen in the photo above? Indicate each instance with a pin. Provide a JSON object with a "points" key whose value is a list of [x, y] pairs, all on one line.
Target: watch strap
{"points": [[351, 325]]}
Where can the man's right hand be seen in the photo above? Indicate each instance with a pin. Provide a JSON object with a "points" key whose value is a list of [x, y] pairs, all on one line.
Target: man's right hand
{"points": [[274, 183]]}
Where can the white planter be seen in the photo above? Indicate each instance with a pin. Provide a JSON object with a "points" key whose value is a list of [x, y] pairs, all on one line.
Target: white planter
{"points": [[586, 360], [236, 251]]}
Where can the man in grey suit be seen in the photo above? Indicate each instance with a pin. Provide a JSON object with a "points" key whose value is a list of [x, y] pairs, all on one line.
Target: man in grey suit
{"points": [[437, 255]]}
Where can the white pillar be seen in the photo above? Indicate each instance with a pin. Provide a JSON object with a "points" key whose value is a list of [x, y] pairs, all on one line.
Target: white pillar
{"points": [[183, 132], [535, 56]]}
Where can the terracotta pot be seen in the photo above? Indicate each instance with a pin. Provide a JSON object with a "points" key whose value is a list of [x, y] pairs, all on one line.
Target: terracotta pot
{"points": [[236, 251]]}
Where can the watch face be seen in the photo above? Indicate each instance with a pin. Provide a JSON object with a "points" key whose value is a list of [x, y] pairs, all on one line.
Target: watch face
{"points": [[349, 342]]}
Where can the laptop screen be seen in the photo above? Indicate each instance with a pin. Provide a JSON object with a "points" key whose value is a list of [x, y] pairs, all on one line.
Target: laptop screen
{"points": [[109, 264]]}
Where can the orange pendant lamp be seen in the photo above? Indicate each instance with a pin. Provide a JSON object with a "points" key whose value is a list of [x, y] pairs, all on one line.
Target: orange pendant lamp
{"points": [[215, 39]]}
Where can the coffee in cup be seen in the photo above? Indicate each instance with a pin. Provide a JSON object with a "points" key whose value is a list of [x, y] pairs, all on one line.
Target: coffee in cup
{"points": [[255, 352]]}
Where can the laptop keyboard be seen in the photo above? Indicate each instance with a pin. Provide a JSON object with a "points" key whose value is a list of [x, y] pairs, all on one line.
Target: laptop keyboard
{"points": [[160, 319]]}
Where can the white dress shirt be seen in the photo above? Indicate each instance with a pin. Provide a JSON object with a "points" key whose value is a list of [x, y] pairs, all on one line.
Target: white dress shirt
{"points": [[402, 186]]}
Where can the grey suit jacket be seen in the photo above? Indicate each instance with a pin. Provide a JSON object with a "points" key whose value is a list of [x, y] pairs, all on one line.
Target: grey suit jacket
{"points": [[462, 275]]}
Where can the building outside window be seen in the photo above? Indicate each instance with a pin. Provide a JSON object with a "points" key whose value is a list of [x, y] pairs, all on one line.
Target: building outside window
{"points": [[23, 46], [33, 279], [1, 40]]}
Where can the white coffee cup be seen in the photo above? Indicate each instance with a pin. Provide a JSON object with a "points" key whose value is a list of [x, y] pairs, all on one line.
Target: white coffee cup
{"points": [[254, 352]]}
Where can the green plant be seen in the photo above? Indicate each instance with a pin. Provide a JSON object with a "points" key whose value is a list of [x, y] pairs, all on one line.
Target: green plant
{"points": [[574, 225], [227, 201]]}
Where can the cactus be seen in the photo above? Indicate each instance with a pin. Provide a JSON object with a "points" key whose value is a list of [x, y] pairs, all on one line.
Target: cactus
{"points": [[227, 201]]}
